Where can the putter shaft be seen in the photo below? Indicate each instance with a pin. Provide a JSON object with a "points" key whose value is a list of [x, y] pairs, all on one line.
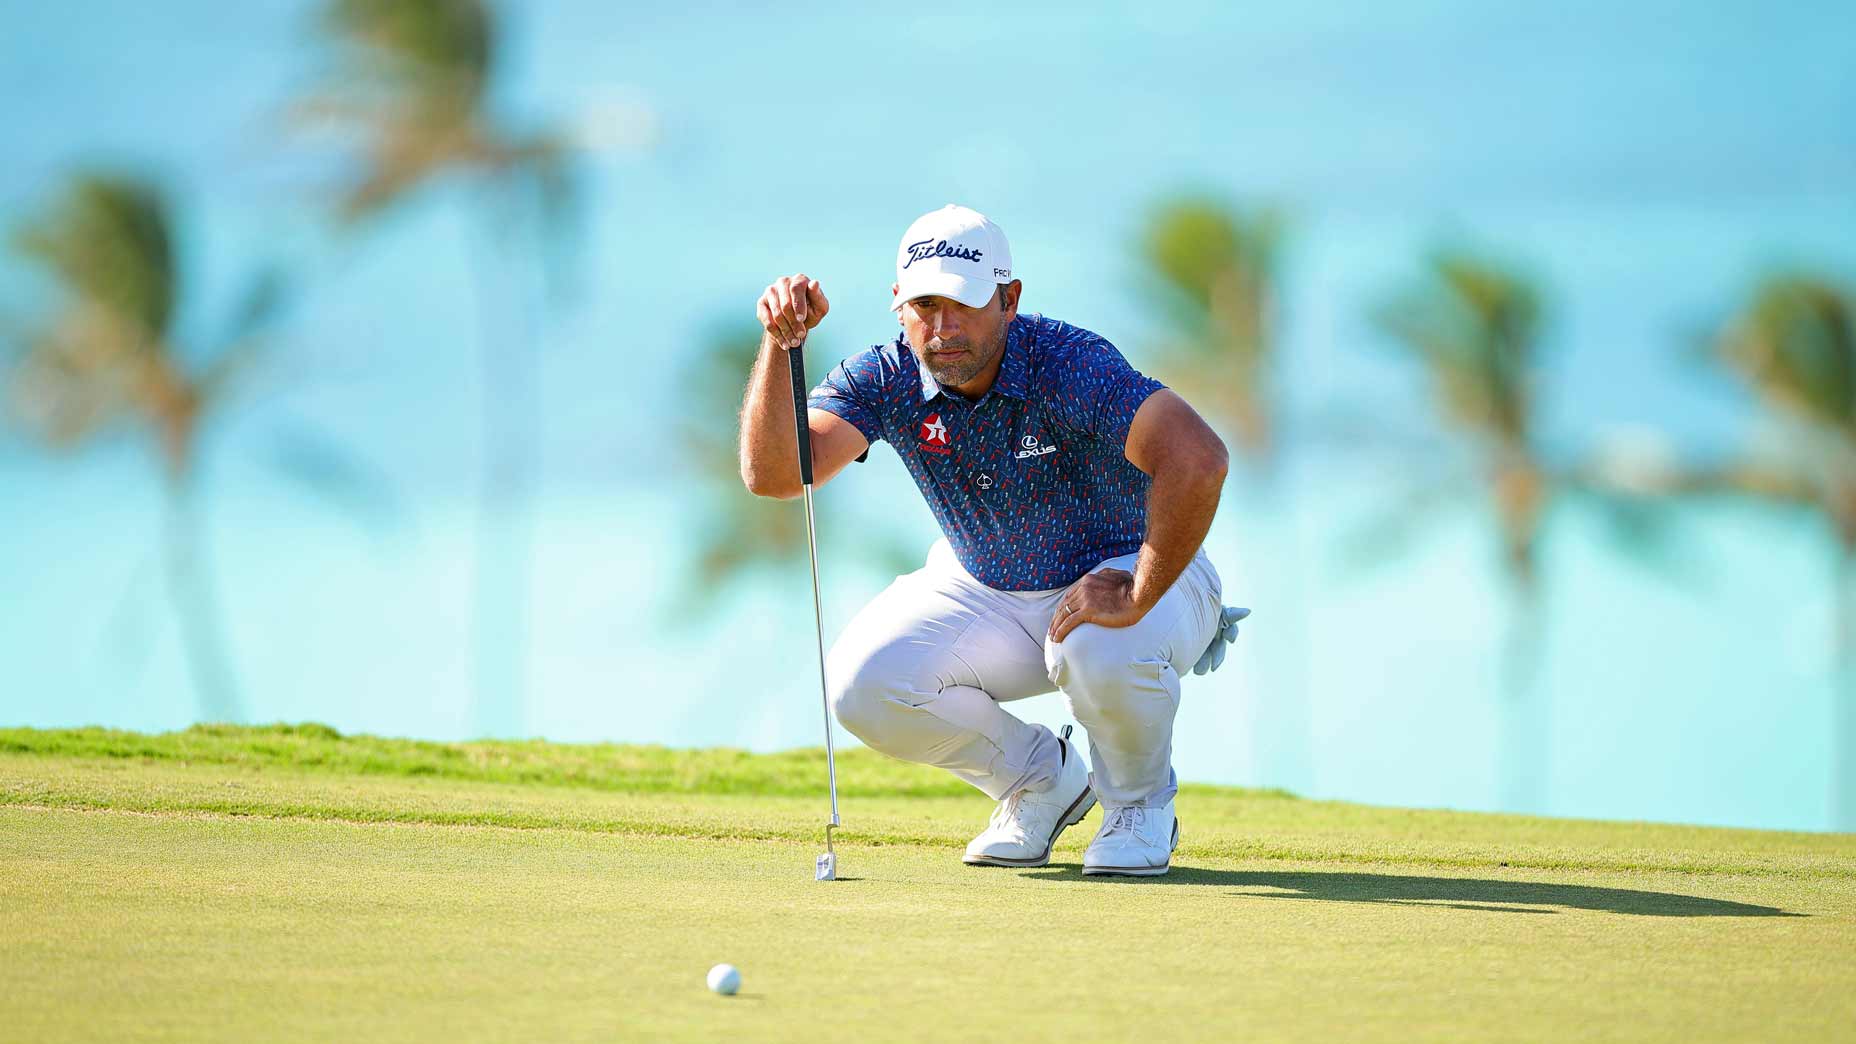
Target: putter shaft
{"points": [[796, 366], [818, 620]]}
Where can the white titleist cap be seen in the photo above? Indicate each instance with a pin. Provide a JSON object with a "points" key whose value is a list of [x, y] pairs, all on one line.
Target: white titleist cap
{"points": [[952, 252]]}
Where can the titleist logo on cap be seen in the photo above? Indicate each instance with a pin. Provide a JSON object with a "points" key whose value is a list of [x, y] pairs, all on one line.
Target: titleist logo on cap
{"points": [[928, 248]]}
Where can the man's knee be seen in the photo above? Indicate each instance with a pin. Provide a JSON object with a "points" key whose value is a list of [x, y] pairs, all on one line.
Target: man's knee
{"points": [[1089, 658], [1095, 667], [861, 686]]}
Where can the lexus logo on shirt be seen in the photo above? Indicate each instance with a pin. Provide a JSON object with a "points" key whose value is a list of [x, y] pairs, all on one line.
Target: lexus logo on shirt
{"points": [[1033, 447], [934, 434]]}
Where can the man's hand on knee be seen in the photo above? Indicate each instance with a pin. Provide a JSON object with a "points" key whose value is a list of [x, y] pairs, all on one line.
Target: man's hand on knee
{"points": [[1104, 597]]}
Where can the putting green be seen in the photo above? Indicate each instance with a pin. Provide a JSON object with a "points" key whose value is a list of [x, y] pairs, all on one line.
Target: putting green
{"points": [[294, 884]]}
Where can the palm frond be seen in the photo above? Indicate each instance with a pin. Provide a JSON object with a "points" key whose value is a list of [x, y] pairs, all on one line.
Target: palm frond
{"points": [[412, 82], [108, 241], [423, 46], [1395, 530], [1474, 323], [1214, 269], [715, 378], [1795, 343], [1198, 247], [74, 379], [337, 476], [263, 297], [403, 154], [104, 357]]}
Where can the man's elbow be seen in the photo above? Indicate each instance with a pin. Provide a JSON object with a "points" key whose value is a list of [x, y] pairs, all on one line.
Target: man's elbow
{"points": [[1212, 461], [761, 484]]}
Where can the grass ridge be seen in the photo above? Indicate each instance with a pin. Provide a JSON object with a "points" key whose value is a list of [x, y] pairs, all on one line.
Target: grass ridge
{"points": [[615, 767], [852, 837], [313, 772]]}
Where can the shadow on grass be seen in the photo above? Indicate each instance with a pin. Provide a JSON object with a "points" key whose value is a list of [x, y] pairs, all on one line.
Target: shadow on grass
{"points": [[1457, 893]]}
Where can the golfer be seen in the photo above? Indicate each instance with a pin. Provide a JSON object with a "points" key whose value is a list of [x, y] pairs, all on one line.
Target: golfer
{"points": [[1073, 493]]}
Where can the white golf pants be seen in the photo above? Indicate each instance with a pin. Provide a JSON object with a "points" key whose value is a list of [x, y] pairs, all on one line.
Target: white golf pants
{"points": [[921, 672]]}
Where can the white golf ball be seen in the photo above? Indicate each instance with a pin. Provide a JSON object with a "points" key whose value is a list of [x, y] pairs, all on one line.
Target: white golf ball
{"points": [[724, 979]]}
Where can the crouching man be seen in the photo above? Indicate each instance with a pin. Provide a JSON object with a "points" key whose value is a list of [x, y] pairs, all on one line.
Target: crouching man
{"points": [[1073, 494]]}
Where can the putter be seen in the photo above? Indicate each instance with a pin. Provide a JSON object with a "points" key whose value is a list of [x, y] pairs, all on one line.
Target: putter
{"points": [[827, 867]]}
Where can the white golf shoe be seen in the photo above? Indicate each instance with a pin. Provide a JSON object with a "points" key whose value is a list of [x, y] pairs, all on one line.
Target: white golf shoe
{"points": [[1025, 826], [1135, 841]]}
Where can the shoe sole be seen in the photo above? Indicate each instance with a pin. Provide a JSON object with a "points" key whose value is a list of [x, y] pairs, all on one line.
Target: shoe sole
{"points": [[1071, 816], [1137, 871]]}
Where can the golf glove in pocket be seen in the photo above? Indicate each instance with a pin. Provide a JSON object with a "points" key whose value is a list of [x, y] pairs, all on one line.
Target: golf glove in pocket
{"points": [[1225, 635]]}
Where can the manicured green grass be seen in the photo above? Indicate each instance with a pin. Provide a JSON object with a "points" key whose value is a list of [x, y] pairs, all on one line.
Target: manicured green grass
{"points": [[605, 766], [291, 883]]}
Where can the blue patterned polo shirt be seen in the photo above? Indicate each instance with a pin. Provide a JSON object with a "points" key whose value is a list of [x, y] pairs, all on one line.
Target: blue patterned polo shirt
{"points": [[1029, 482]]}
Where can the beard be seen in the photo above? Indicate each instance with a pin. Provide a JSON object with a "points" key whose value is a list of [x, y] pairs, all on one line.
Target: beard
{"points": [[954, 372]]}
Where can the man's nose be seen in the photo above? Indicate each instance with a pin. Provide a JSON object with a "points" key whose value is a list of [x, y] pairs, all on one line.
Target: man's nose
{"points": [[945, 324]]}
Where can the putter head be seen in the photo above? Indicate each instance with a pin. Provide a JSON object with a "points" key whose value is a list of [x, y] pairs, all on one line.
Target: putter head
{"points": [[827, 867]]}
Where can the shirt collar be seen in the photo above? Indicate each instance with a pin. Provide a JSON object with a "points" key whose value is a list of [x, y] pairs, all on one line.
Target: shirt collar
{"points": [[1011, 379]]}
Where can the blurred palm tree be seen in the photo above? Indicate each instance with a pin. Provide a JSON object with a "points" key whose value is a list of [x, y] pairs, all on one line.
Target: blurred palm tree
{"points": [[414, 78], [1794, 344], [1475, 324], [1216, 276], [1213, 272], [737, 532], [108, 360]]}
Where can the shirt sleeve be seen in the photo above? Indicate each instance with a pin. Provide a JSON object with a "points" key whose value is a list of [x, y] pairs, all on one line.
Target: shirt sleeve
{"points": [[1095, 391], [853, 392]]}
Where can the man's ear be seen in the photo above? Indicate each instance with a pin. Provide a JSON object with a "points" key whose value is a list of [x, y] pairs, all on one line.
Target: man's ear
{"points": [[1008, 296]]}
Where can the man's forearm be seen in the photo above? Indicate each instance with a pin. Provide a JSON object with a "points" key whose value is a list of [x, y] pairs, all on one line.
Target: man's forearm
{"points": [[769, 443], [1180, 507]]}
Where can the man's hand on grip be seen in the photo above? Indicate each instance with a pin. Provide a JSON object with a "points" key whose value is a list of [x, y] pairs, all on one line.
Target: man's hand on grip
{"points": [[790, 307]]}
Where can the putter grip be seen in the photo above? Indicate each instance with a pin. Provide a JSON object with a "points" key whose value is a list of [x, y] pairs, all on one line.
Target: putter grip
{"points": [[796, 358]]}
